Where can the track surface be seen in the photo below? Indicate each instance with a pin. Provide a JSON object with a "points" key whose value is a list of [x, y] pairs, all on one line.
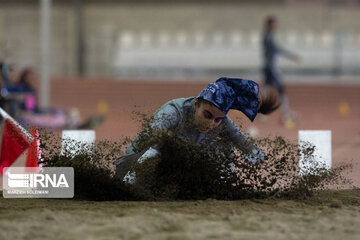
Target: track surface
{"points": [[316, 107]]}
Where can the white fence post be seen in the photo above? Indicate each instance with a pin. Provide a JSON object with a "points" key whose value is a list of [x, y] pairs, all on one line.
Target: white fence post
{"points": [[321, 139], [74, 140]]}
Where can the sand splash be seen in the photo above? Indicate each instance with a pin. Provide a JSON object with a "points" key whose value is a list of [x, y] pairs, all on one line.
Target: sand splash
{"points": [[218, 169]]}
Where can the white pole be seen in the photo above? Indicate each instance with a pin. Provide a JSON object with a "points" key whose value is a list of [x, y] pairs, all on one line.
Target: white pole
{"points": [[45, 32]]}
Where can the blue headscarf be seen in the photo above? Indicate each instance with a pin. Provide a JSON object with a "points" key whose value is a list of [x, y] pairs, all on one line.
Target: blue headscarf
{"points": [[233, 93]]}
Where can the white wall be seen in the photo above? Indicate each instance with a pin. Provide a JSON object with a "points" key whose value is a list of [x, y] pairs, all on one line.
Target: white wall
{"points": [[190, 36]]}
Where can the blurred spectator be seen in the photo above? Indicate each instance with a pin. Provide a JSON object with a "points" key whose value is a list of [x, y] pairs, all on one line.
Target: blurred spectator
{"points": [[21, 101], [6, 100], [26, 85], [2, 84], [4, 74]]}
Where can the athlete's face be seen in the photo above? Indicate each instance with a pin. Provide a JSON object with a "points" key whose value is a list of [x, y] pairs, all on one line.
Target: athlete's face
{"points": [[207, 116]]}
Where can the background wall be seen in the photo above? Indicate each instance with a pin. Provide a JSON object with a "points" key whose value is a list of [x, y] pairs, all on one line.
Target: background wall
{"points": [[184, 39]]}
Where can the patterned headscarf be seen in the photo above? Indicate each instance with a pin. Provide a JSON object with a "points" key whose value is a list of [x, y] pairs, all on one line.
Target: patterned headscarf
{"points": [[233, 93]]}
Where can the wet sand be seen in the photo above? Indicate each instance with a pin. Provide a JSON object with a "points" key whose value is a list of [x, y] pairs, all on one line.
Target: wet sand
{"points": [[328, 215]]}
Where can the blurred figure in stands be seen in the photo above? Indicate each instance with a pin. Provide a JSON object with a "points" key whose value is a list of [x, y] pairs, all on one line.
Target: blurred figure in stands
{"points": [[271, 52], [22, 94]]}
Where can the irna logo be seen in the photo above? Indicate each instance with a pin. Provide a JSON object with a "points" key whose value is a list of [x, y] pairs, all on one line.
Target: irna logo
{"points": [[34, 180]]}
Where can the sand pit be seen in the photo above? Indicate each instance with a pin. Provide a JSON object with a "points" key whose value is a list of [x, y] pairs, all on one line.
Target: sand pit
{"points": [[328, 215]]}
